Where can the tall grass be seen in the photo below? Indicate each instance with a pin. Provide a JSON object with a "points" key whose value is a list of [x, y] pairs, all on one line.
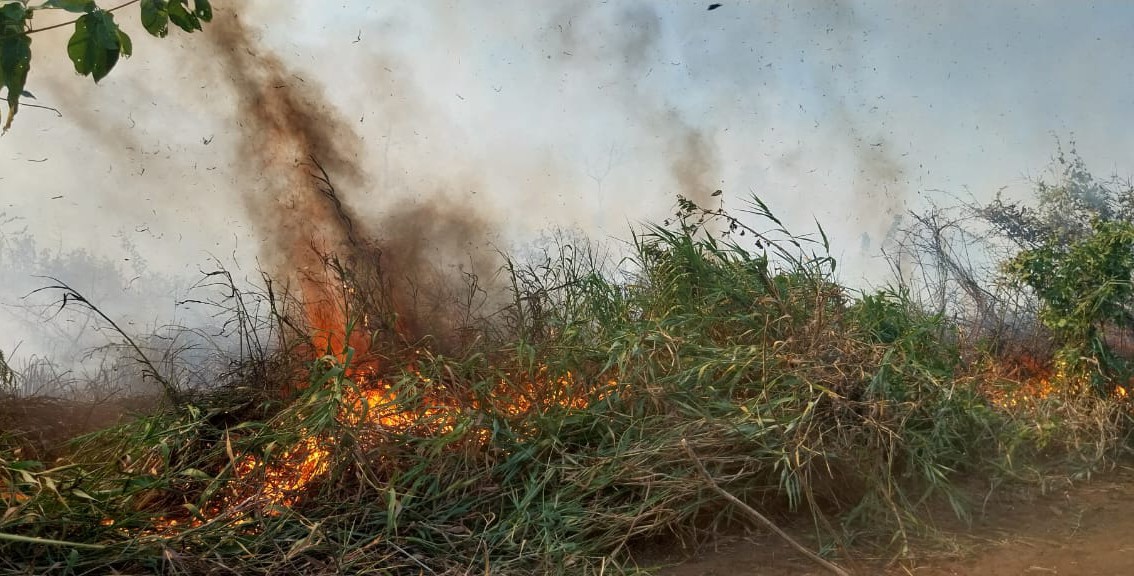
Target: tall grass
{"points": [[553, 442]]}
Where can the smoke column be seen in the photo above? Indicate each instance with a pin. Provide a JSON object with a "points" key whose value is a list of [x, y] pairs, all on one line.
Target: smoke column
{"points": [[452, 130]]}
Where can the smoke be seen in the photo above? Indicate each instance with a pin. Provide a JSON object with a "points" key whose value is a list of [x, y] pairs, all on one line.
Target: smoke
{"points": [[620, 48], [302, 177], [694, 163], [427, 250], [285, 126], [852, 133], [448, 131]]}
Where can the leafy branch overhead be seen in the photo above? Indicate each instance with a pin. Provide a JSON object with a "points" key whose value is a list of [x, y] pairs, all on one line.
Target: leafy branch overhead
{"points": [[97, 42]]}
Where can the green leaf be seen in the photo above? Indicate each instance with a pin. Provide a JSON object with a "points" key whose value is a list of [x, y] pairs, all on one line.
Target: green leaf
{"points": [[32, 465], [82, 494], [155, 17], [77, 6], [96, 44], [126, 45], [203, 9], [180, 15], [195, 511], [15, 55], [196, 474]]}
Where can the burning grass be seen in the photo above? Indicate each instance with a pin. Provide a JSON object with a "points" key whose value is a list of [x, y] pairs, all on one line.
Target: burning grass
{"points": [[553, 439]]}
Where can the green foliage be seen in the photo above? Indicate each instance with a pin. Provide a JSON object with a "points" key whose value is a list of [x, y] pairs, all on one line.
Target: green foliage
{"points": [[155, 17], [1066, 203], [77, 6], [95, 46], [157, 14], [744, 346], [1074, 252], [1082, 285], [890, 318], [189, 20], [15, 54]]}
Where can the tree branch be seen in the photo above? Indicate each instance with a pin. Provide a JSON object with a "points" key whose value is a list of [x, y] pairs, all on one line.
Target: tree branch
{"points": [[833, 568], [70, 22]]}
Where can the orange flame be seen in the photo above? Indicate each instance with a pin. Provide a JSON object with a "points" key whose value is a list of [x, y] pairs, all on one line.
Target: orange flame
{"points": [[372, 406], [326, 310]]}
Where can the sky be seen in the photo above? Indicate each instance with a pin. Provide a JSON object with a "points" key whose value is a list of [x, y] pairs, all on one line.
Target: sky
{"points": [[540, 114]]}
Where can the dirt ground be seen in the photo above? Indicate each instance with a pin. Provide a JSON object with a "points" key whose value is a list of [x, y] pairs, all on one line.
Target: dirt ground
{"points": [[1082, 530]]}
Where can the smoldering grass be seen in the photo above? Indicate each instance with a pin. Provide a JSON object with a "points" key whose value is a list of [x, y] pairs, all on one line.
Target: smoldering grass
{"points": [[552, 440]]}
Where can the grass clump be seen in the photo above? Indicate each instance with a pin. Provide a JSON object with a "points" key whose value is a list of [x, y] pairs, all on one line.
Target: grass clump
{"points": [[552, 441]]}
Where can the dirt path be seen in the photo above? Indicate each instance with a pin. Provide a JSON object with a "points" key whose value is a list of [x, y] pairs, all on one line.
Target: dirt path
{"points": [[1087, 530]]}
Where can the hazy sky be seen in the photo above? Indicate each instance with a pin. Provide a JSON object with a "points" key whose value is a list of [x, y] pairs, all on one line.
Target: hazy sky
{"points": [[564, 113]]}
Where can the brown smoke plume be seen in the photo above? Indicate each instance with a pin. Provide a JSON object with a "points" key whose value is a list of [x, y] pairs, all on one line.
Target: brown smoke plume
{"points": [[621, 52], [693, 161], [295, 144], [284, 124]]}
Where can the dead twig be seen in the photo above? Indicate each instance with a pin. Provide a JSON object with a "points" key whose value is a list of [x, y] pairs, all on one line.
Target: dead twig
{"points": [[833, 568], [70, 295]]}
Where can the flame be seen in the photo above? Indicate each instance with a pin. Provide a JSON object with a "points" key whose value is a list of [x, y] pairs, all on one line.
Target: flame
{"points": [[291, 472], [325, 305], [13, 497], [373, 405], [1031, 379]]}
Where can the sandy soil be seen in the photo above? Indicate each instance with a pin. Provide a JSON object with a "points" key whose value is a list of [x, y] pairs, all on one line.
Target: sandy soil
{"points": [[1085, 530]]}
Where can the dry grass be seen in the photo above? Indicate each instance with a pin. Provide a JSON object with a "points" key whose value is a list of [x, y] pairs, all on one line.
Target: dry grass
{"points": [[552, 438]]}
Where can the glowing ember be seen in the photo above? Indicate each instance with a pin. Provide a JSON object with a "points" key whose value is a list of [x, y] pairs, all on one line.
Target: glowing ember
{"points": [[293, 471], [373, 406], [12, 498], [1035, 381]]}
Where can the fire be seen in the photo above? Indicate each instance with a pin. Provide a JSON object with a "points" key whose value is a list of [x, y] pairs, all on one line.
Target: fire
{"points": [[1030, 378], [372, 406], [376, 408], [325, 308], [293, 471], [1034, 380]]}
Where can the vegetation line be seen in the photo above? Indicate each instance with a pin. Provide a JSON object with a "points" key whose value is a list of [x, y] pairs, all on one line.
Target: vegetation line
{"points": [[48, 542], [833, 568], [541, 437]]}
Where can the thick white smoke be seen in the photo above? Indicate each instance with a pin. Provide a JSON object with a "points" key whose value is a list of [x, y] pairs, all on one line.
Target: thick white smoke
{"points": [[582, 114]]}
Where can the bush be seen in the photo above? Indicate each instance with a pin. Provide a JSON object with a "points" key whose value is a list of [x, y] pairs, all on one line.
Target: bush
{"points": [[553, 440]]}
